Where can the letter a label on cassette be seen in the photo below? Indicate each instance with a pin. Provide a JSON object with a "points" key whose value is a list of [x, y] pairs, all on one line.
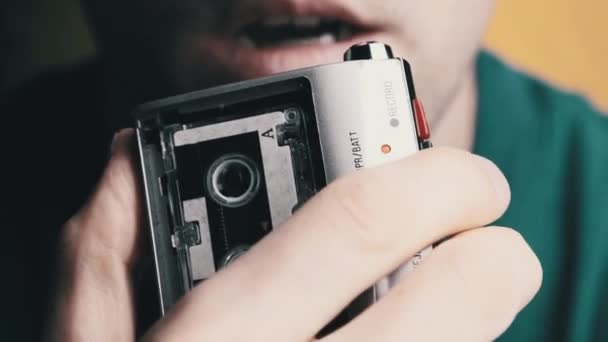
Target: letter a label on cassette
{"points": [[269, 133]]}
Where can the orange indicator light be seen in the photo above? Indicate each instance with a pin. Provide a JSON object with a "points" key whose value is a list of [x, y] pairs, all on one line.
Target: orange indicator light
{"points": [[386, 148]]}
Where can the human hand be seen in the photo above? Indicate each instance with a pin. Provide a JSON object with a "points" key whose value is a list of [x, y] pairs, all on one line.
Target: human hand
{"points": [[294, 281]]}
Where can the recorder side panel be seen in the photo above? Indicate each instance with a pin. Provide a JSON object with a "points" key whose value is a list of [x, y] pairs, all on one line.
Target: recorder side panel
{"points": [[365, 115]]}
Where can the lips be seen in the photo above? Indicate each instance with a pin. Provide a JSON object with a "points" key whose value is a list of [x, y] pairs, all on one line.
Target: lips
{"points": [[278, 36], [284, 31]]}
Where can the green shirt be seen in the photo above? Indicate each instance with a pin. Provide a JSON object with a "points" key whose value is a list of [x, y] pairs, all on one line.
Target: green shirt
{"points": [[551, 146]]}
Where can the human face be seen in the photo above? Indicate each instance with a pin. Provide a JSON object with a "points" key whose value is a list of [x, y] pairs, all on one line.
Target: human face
{"points": [[193, 44]]}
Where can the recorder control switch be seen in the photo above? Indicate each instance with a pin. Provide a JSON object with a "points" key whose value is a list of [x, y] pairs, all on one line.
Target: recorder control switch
{"points": [[422, 126], [369, 50]]}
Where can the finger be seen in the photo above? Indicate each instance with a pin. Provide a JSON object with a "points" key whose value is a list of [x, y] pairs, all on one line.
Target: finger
{"points": [[108, 223], [356, 230], [95, 299], [469, 289]]}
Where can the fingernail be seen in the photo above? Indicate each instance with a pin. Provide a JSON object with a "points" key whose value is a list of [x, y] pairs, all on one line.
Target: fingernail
{"points": [[498, 180], [119, 139]]}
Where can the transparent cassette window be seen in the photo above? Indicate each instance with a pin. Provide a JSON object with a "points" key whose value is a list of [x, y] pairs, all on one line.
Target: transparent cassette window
{"points": [[235, 177]]}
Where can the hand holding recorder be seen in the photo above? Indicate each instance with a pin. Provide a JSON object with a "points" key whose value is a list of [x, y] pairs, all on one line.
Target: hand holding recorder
{"points": [[296, 279], [300, 275]]}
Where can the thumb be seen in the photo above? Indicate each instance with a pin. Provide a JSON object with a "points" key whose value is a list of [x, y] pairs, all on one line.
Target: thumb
{"points": [[108, 223], [94, 294]]}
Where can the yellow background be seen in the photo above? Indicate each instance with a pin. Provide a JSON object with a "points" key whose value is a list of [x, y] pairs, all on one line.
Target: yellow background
{"points": [[563, 41]]}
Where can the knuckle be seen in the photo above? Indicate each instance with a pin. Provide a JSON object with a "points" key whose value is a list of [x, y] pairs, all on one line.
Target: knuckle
{"points": [[525, 267], [499, 270], [515, 252], [477, 181]]}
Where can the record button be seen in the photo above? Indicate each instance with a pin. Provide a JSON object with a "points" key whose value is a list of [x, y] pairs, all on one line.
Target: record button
{"points": [[422, 126]]}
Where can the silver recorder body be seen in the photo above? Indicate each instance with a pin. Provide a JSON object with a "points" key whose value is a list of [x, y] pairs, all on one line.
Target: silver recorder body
{"points": [[224, 166]]}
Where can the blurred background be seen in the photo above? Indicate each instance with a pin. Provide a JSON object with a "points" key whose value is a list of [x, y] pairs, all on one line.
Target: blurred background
{"points": [[562, 41]]}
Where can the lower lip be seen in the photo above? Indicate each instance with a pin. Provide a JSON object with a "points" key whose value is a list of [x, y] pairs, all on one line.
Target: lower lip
{"points": [[250, 62]]}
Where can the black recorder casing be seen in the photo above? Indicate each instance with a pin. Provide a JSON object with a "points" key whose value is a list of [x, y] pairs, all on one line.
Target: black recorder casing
{"points": [[223, 167]]}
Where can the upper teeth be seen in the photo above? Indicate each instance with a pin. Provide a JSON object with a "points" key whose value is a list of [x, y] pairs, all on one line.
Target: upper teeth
{"points": [[302, 21], [326, 38], [290, 30]]}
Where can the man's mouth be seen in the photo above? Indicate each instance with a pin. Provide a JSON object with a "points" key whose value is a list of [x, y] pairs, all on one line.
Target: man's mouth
{"points": [[264, 40], [286, 31]]}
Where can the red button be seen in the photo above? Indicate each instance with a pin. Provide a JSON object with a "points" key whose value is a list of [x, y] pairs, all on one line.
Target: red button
{"points": [[422, 126]]}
